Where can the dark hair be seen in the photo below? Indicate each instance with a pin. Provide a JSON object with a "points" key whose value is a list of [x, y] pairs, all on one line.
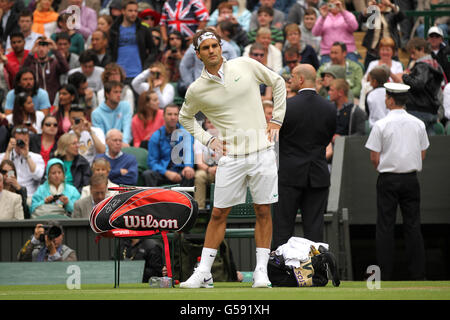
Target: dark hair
{"points": [[76, 79], [72, 90], [227, 26], [310, 12], [88, 56], [179, 35], [109, 85], [77, 108], [198, 34], [26, 13], [266, 9], [62, 36], [171, 105], [340, 44], [10, 163], [380, 75], [50, 115], [400, 99], [18, 111], [128, 2], [17, 88], [418, 44], [16, 34]]}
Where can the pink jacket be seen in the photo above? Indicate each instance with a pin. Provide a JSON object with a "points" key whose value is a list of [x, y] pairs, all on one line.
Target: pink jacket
{"points": [[334, 28]]}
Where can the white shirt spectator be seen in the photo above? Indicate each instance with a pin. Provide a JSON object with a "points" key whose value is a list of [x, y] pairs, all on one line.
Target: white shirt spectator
{"points": [[26, 178], [37, 124], [376, 105], [87, 147], [447, 100], [94, 80]]}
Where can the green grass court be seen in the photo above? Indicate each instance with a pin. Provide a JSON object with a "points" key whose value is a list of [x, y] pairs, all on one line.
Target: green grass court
{"points": [[348, 290]]}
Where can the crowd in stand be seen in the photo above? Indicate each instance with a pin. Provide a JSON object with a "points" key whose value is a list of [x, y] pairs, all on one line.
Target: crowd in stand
{"points": [[85, 83]]}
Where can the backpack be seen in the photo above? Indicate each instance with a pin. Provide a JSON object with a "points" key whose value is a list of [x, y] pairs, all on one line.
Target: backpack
{"points": [[311, 273]]}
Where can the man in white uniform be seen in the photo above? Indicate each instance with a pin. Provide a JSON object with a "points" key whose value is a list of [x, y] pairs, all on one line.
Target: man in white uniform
{"points": [[397, 145], [227, 93]]}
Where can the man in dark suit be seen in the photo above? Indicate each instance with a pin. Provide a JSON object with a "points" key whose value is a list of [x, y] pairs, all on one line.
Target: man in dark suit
{"points": [[303, 175]]}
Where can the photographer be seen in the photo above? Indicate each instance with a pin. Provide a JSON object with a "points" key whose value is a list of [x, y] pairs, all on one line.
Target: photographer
{"points": [[173, 54], [91, 139], [54, 196], [29, 165], [47, 69], [46, 244], [155, 78]]}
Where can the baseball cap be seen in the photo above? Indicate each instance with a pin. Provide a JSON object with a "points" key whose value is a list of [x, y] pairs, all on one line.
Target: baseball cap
{"points": [[435, 30]]}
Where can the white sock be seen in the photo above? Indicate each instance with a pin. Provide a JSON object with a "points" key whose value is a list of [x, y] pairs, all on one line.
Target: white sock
{"points": [[262, 259], [207, 259]]}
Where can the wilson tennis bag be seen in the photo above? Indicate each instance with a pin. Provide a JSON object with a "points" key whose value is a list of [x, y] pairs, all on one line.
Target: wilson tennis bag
{"points": [[143, 212]]}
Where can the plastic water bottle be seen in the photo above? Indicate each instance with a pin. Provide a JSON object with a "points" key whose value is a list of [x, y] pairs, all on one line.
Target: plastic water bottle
{"points": [[155, 282], [160, 282]]}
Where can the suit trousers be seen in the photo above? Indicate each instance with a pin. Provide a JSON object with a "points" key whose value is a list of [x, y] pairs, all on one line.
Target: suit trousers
{"points": [[402, 190], [312, 203]]}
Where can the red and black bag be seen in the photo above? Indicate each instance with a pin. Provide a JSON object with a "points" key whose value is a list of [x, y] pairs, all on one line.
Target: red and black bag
{"points": [[144, 212]]}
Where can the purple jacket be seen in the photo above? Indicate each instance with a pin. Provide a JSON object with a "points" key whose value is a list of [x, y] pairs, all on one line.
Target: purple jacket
{"points": [[334, 28]]}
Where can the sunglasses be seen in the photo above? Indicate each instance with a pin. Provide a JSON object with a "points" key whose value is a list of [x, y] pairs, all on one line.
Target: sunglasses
{"points": [[21, 130], [174, 38], [291, 61], [258, 54], [148, 18], [51, 124]]}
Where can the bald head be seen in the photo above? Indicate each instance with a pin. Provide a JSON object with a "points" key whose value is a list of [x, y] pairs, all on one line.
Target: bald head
{"points": [[304, 76]]}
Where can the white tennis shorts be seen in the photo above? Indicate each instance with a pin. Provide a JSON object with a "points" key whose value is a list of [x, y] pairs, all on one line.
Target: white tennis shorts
{"points": [[258, 171]]}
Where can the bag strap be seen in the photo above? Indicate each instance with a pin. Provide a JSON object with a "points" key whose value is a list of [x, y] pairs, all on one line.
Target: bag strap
{"points": [[167, 253]]}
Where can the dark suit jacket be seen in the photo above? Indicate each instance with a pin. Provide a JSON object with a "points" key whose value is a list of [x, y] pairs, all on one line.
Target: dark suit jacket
{"points": [[308, 127]]}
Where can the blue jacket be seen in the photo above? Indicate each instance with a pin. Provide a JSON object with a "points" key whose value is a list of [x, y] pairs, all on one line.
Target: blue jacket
{"points": [[44, 190], [105, 118], [160, 153]]}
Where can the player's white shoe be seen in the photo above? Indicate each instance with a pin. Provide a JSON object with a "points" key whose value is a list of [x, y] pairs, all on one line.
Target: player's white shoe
{"points": [[198, 280], [261, 280]]}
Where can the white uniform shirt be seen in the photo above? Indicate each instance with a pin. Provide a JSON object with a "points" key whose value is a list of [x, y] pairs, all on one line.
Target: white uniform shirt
{"points": [[376, 105], [400, 139]]}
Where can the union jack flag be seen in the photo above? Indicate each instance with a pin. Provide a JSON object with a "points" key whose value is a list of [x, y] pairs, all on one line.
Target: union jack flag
{"points": [[184, 15]]}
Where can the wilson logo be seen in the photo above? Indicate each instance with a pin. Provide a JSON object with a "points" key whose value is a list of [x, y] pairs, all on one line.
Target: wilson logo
{"points": [[135, 221]]}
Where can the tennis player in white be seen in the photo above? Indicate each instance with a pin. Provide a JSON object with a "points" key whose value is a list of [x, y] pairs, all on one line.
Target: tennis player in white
{"points": [[227, 93]]}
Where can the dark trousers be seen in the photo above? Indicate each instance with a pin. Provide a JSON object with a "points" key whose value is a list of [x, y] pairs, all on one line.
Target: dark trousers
{"points": [[154, 179], [402, 190], [312, 203]]}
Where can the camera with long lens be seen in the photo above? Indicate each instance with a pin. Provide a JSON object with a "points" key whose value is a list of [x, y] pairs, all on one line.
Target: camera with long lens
{"points": [[51, 231]]}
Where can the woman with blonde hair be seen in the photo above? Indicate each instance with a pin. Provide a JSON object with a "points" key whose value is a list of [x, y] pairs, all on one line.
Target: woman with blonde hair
{"points": [[44, 18], [100, 166], [148, 119], [114, 72], [386, 52], [155, 78], [76, 168]]}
